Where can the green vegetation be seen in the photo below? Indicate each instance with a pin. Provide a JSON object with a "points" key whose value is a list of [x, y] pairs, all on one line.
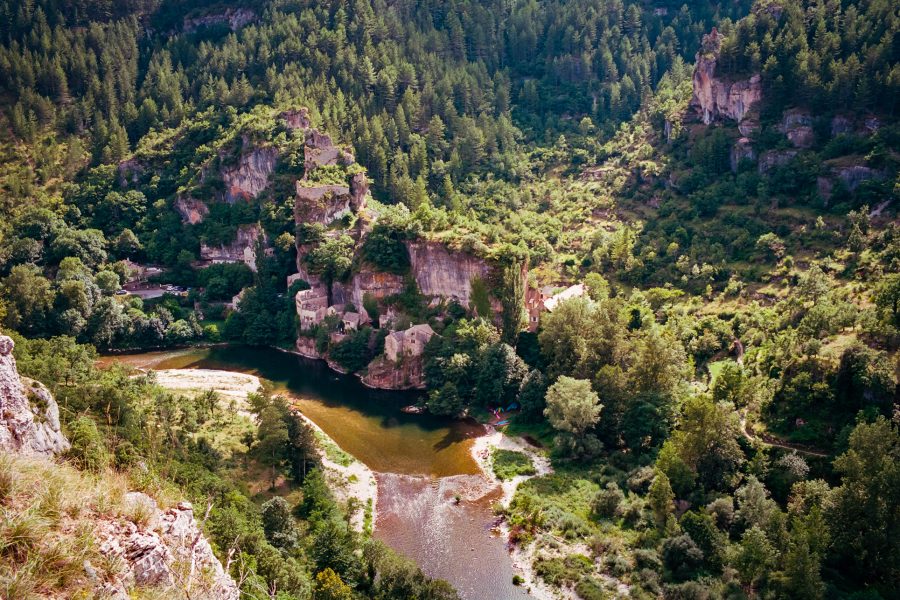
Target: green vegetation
{"points": [[510, 463], [267, 494], [721, 404]]}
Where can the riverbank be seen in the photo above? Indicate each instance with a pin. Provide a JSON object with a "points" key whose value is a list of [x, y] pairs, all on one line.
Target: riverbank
{"points": [[522, 557], [349, 478]]}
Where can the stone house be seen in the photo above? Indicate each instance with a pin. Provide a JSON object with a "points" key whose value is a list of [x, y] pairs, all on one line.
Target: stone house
{"points": [[351, 321], [408, 343], [312, 307], [544, 300]]}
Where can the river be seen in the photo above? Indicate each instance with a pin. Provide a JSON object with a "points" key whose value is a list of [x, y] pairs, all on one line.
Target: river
{"points": [[421, 463]]}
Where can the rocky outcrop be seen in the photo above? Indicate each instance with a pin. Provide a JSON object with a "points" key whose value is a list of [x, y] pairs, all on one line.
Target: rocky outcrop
{"points": [[442, 272], [235, 18], [715, 98], [854, 175], [321, 203], [242, 249], [250, 176], [29, 416], [741, 150], [775, 158], [320, 151], [191, 210], [296, 119], [163, 550], [306, 346], [796, 125], [384, 374]]}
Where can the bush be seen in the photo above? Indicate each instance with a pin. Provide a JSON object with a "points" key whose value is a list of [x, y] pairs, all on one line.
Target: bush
{"points": [[608, 502], [509, 464], [88, 450]]}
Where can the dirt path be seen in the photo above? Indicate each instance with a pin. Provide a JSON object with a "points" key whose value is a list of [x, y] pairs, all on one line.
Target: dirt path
{"points": [[775, 443]]}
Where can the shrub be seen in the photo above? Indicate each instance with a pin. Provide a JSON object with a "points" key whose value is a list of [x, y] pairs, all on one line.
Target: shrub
{"points": [[509, 464], [88, 450]]}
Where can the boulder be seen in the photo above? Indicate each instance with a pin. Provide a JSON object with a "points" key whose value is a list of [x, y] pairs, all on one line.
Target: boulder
{"points": [[29, 416]]}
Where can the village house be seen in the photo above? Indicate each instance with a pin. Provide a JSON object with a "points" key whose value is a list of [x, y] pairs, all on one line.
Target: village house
{"points": [[539, 301], [408, 343], [312, 307], [350, 321]]}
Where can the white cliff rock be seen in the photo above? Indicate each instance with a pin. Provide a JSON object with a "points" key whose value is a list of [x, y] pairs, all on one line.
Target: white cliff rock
{"points": [[165, 551], [29, 416]]}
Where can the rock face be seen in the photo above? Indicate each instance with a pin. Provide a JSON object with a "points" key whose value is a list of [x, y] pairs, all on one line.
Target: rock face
{"points": [[854, 175], [442, 272], [320, 151], [796, 124], [242, 249], [714, 98], [245, 180], [168, 551], [29, 417], [378, 285], [296, 119], [321, 203], [775, 158], [191, 210], [741, 151], [235, 18], [384, 374]]}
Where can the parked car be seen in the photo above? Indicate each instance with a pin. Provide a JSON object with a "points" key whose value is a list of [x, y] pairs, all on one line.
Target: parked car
{"points": [[122, 292]]}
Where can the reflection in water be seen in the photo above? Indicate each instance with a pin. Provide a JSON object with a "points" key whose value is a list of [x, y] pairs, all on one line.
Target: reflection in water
{"points": [[422, 462]]}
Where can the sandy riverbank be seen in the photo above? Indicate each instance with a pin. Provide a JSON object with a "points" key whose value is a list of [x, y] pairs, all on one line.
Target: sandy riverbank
{"points": [[523, 557], [354, 480]]}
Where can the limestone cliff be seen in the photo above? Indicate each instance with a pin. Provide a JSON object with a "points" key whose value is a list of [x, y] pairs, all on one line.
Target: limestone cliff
{"points": [[29, 416], [166, 551], [717, 98], [242, 249], [384, 374], [445, 273], [374, 283], [250, 176], [191, 210]]}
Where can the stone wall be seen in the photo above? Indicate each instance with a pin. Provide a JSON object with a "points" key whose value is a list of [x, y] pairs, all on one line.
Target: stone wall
{"points": [[242, 249]]}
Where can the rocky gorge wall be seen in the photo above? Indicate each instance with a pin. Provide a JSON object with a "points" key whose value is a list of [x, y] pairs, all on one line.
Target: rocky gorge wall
{"points": [[445, 273]]}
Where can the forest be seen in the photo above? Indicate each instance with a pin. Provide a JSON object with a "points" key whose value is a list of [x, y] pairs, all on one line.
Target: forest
{"points": [[720, 405]]}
